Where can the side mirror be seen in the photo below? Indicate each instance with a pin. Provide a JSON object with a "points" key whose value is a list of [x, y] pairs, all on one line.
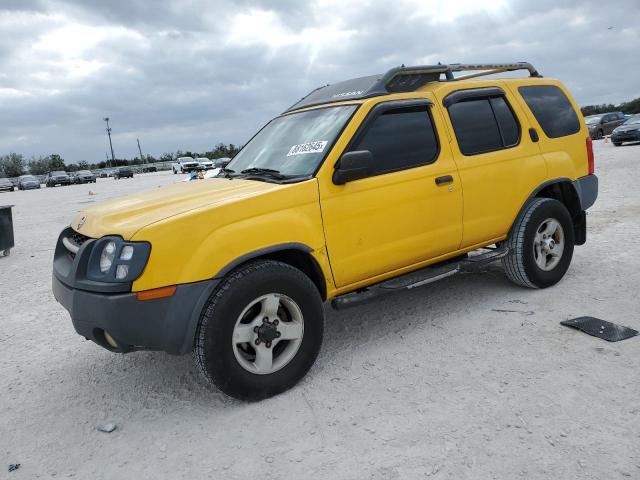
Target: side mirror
{"points": [[353, 166]]}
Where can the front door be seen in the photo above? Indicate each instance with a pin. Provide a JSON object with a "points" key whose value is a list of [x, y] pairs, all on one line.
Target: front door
{"points": [[409, 210]]}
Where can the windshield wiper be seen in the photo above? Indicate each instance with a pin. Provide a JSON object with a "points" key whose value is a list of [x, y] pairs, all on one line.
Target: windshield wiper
{"points": [[225, 172], [265, 171]]}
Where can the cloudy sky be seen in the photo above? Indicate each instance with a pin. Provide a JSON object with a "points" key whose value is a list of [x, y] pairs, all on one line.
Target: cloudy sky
{"points": [[187, 74]]}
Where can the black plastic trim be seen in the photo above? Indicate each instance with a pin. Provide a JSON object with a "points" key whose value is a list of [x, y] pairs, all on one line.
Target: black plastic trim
{"points": [[472, 93], [261, 253], [167, 324], [587, 189]]}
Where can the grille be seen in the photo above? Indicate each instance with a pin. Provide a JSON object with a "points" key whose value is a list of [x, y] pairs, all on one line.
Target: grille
{"points": [[75, 241]]}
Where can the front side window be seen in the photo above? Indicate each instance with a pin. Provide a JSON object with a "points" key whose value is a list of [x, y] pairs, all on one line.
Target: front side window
{"points": [[552, 109], [484, 125], [399, 138], [293, 144]]}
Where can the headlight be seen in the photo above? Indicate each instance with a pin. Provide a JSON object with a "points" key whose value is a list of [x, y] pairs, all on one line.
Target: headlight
{"points": [[107, 255], [114, 260]]}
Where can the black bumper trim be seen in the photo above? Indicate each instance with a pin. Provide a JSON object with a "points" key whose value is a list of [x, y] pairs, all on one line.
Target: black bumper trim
{"points": [[167, 324], [587, 189]]}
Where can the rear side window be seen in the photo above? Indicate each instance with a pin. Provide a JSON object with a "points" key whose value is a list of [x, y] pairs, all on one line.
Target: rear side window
{"points": [[552, 109], [400, 138], [484, 125]]}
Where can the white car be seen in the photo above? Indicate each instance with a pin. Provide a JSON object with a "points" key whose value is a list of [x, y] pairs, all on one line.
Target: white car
{"points": [[185, 165], [205, 163]]}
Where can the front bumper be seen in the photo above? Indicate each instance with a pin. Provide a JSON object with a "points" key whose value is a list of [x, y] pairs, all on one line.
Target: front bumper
{"points": [[167, 324]]}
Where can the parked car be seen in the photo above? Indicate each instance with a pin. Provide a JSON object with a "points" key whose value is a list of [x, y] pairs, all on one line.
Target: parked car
{"points": [[149, 169], [123, 172], [362, 196], [6, 185], [205, 163], [185, 165], [221, 162], [83, 176], [603, 124], [28, 182], [57, 177], [629, 131]]}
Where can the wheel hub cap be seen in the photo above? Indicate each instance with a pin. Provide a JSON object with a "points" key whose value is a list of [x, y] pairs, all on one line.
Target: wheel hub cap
{"points": [[548, 244], [268, 333]]}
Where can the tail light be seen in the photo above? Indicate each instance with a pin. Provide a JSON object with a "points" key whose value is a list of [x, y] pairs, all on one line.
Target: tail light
{"points": [[590, 157]]}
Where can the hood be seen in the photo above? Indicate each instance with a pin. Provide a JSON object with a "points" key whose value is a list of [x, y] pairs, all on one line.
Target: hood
{"points": [[126, 215], [627, 128]]}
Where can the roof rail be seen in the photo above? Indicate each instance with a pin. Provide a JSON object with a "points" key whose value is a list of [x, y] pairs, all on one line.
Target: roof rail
{"points": [[404, 79]]}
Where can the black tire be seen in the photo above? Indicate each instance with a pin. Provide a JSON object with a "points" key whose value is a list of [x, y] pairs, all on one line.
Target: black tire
{"points": [[599, 135], [617, 144], [520, 265], [214, 351]]}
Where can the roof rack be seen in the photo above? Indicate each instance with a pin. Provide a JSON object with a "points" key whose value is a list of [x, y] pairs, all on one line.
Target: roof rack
{"points": [[404, 79]]}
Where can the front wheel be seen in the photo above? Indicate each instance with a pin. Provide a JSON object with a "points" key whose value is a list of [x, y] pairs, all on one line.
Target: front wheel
{"points": [[617, 144], [540, 244], [260, 331]]}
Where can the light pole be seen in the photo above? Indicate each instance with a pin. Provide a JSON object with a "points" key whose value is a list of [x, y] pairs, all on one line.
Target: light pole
{"points": [[113, 159], [140, 150]]}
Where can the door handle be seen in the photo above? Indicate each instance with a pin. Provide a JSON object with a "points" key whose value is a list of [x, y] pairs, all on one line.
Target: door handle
{"points": [[444, 179]]}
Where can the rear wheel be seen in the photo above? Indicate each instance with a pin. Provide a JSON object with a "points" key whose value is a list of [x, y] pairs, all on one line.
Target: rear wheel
{"points": [[260, 331], [540, 244], [617, 144]]}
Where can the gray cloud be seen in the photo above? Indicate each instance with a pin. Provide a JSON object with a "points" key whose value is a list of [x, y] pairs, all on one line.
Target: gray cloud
{"points": [[189, 74]]}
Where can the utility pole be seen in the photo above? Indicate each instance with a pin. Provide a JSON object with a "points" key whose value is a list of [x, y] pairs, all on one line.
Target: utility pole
{"points": [[140, 150], [113, 159]]}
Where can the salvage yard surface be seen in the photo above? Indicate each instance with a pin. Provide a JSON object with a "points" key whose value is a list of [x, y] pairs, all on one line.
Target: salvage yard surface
{"points": [[468, 378]]}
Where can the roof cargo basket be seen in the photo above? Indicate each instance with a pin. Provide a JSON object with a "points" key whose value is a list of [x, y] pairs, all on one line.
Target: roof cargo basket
{"points": [[404, 79]]}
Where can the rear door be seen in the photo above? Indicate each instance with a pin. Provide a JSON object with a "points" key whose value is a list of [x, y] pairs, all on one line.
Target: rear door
{"points": [[499, 162]]}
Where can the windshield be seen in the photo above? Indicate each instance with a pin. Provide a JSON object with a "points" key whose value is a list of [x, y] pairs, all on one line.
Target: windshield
{"points": [[593, 120], [58, 173], [28, 177], [84, 172], [633, 119], [294, 144]]}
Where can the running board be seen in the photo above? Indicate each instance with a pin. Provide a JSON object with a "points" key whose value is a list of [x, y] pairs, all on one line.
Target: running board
{"points": [[420, 277]]}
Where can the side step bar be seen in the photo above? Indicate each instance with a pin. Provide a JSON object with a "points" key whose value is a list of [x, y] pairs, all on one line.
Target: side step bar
{"points": [[420, 277]]}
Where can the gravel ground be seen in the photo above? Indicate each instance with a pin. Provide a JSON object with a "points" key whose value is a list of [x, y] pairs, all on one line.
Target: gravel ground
{"points": [[469, 378]]}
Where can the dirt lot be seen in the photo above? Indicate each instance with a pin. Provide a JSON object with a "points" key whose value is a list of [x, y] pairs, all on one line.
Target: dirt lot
{"points": [[470, 378]]}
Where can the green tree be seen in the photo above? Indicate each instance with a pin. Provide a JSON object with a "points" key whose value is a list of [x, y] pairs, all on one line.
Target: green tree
{"points": [[56, 162], [12, 165], [38, 165], [83, 165]]}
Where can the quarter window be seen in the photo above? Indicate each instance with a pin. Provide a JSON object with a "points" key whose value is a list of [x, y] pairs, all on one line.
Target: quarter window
{"points": [[552, 109], [400, 138], [484, 125]]}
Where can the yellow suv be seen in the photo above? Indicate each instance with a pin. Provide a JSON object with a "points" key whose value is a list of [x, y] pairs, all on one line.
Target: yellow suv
{"points": [[361, 188]]}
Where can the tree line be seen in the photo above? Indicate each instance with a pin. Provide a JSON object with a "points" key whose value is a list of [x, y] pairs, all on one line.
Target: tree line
{"points": [[631, 107], [14, 164]]}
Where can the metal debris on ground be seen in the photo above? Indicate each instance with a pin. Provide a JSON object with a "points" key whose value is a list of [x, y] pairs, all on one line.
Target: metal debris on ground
{"points": [[14, 466], [601, 328]]}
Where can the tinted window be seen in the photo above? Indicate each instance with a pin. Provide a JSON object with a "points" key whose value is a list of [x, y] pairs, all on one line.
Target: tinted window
{"points": [[400, 138], [552, 109], [507, 123], [484, 125]]}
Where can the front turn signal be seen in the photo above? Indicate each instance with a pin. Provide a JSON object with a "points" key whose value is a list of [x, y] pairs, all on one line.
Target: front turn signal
{"points": [[157, 293]]}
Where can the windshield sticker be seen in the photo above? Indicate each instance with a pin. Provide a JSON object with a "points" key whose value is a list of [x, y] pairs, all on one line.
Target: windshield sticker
{"points": [[309, 147]]}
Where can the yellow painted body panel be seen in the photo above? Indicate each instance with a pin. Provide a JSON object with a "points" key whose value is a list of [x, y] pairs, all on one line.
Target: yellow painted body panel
{"points": [[361, 233]]}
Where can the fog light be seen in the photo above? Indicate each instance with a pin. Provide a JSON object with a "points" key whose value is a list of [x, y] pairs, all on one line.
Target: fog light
{"points": [[110, 340], [122, 271]]}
